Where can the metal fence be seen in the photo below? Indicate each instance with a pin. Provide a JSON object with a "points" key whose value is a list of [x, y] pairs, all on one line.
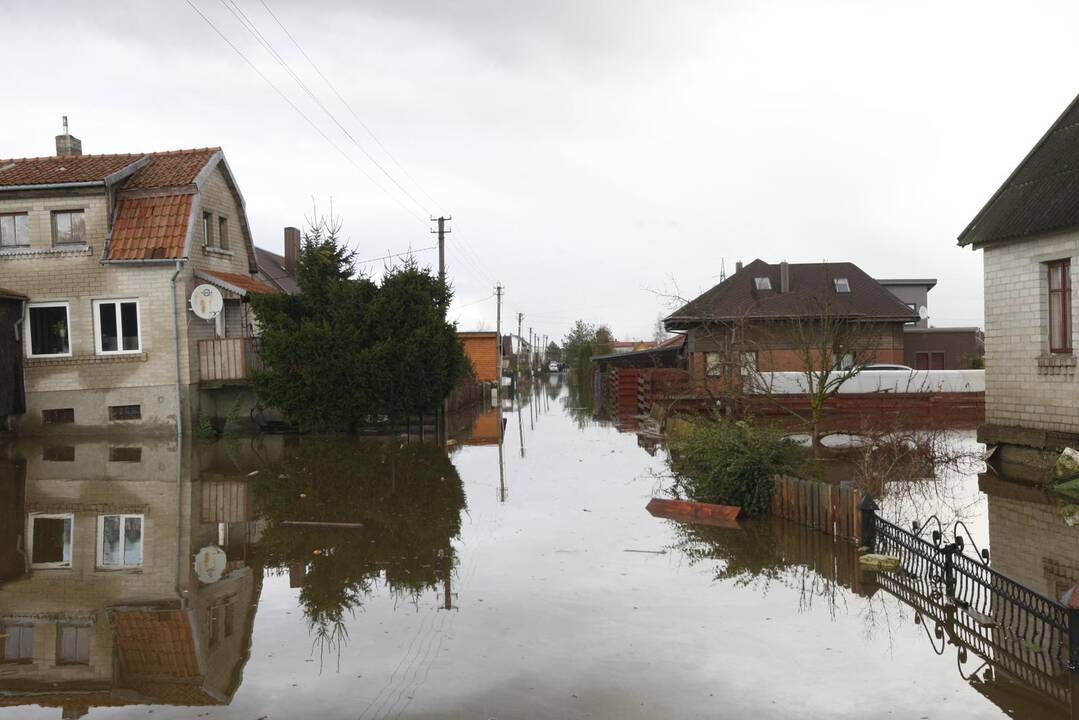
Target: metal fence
{"points": [[1020, 617]]}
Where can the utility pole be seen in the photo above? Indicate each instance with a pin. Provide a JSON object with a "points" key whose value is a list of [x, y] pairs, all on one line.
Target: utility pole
{"points": [[520, 341], [442, 233], [498, 328], [531, 351]]}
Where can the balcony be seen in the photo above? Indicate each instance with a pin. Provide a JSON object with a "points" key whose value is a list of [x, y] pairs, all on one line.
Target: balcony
{"points": [[228, 359]]}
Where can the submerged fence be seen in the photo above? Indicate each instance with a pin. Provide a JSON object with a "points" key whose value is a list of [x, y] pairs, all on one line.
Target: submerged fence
{"points": [[1019, 616], [829, 508]]}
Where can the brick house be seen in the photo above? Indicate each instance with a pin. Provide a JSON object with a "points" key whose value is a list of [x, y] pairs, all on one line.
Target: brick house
{"points": [[105, 250], [750, 318], [1029, 234]]}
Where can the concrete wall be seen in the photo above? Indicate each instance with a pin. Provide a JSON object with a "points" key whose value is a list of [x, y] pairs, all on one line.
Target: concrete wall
{"points": [[1025, 385]]}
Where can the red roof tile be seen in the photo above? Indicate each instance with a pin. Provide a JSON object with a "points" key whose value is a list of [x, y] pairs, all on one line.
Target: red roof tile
{"points": [[235, 280], [166, 169], [150, 228], [66, 169], [157, 643]]}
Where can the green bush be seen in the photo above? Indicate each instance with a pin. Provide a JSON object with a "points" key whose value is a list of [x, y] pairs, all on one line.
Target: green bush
{"points": [[733, 463]]}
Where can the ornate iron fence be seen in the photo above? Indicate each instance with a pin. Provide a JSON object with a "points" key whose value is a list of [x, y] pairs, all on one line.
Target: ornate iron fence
{"points": [[1021, 618]]}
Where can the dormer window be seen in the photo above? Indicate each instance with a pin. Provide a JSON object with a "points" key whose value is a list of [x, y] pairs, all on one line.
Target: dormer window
{"points": [[762, 283], [842, 285]]}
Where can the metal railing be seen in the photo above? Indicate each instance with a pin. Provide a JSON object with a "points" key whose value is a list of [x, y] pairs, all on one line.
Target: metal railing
{"points": [[1022, 616]]}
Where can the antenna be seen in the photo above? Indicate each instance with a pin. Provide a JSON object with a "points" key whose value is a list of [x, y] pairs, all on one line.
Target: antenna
{"points": [[65, 125], [722, 269]]}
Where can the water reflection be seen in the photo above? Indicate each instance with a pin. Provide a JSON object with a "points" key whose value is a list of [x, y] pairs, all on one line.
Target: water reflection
{"points": [[343, 516]]}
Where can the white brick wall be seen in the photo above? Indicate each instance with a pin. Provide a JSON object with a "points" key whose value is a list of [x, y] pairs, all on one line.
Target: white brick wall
{"points": [[1018, 391]]}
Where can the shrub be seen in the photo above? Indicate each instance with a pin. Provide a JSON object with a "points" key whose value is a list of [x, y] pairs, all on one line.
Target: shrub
{"points": [[733, 463]]}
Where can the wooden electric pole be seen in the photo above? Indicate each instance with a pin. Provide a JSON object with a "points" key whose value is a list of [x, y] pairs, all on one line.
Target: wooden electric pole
{"points": [[498, 331]]}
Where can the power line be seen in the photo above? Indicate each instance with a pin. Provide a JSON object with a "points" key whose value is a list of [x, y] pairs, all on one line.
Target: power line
{"points": [[397, 255], [250, 26], [344, 102], [475, 302], [301, 112]]}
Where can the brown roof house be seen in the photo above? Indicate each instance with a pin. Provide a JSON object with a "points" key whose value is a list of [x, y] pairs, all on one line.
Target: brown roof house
{"points": [[104, 252], [1029, 234], [766, 314]]}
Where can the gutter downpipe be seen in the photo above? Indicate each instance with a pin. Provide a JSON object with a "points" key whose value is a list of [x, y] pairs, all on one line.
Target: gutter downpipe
{"points": [[179, 438]]}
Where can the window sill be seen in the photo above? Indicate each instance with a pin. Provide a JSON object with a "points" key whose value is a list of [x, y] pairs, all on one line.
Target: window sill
{"points": [[60, 251], [68, 361], [211, 250], [1056, 364]]}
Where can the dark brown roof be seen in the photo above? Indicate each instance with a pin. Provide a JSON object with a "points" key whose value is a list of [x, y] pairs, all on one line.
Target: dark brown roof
{"points": [[272, 266], [12, 294], [150, 228], [1041, 195], [236, 282], [812, 288]]}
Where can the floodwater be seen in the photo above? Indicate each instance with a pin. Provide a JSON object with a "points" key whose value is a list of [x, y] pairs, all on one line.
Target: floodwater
{"points": [[515, 580]]}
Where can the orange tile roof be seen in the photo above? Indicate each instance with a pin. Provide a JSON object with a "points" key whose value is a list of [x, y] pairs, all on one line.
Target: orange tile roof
{"points": [[150, 228], [165, 169], [176, 167], [65, 169], [157, 643], [233, 281]]}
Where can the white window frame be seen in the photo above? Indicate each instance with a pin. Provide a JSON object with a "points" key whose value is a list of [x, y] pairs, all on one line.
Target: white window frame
{"points": [[31, 519], [842, 285], [762, 283], [119, 327], [101, 541], [29, 337]]}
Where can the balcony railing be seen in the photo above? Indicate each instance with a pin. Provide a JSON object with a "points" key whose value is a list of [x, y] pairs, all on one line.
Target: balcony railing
{"points": [[228, 359]]}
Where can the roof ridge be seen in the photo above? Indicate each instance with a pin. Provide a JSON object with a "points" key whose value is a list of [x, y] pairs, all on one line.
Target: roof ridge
{"points": [[66, 157]]}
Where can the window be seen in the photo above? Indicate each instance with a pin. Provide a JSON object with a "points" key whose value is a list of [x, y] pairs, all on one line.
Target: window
{"points": [[48, 330], [73, 645], [125, 454], [842, 285], [125, 412], [762, 283], [749, 362], [50, 540], [844, 361], [929, 360], [58, 416], [58, 453], [14, 229], [68, 227], [1060, 298], [223, 233], [119, 541], [207, 229], [713, 365], [16, 643], [116, 328]]}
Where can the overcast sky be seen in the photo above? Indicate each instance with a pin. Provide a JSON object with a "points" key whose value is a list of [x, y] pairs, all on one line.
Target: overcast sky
{"points": [[591, 153]]}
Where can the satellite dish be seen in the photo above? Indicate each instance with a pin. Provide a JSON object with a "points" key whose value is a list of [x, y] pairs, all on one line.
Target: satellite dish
{"points": [[210, 564], [923, 312], [206, 302]]}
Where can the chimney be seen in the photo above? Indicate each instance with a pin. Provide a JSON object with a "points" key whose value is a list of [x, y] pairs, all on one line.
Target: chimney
{"points": [[784, 277], [738, 266], [292, 249], [68, 144]]}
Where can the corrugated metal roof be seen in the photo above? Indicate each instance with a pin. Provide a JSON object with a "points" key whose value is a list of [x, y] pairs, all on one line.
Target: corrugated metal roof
{"points": [[1042, 193]]}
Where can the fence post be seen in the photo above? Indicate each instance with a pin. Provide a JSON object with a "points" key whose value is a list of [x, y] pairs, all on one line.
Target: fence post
{"points": [[1073, 640], [868, 508]]}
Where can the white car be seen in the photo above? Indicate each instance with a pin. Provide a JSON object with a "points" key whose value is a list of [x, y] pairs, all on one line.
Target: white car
{"points": [[553, 366]]}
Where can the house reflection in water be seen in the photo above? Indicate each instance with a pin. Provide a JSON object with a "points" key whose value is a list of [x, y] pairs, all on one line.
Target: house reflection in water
{"points": [[100, 601]]}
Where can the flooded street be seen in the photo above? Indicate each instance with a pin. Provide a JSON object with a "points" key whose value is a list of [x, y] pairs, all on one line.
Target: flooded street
{"points": [[377, 578]]}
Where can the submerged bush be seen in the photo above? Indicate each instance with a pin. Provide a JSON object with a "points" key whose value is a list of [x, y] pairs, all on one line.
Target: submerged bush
{"points": [[732, 463]]}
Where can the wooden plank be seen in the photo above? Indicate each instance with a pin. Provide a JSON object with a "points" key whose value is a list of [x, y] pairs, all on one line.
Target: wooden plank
{"points": [[695, 512]]}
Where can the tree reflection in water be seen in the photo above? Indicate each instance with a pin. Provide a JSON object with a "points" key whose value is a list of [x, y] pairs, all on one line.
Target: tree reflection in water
{"points": [[408, 499]]}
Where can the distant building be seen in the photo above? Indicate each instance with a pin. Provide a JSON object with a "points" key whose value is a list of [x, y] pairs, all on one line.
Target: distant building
{"points": [[280, 270], [481, 349], [748, 314], [626, 346], [1029, 234], [106, 250], [914, 293]]}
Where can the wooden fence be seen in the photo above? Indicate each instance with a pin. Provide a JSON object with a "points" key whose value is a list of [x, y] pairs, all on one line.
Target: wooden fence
{"points": [[832, 509]]}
